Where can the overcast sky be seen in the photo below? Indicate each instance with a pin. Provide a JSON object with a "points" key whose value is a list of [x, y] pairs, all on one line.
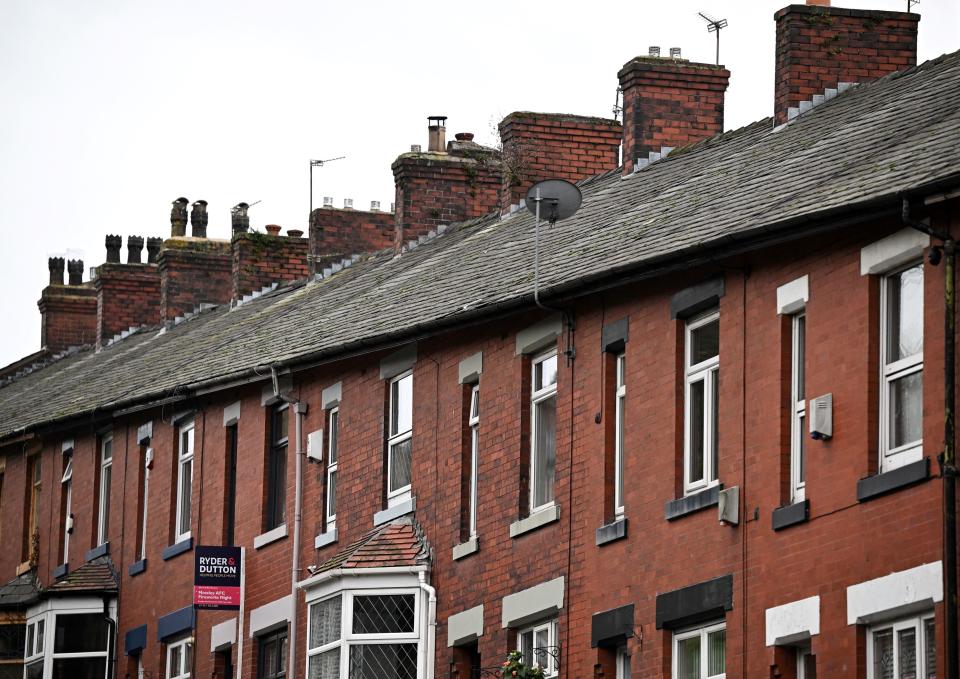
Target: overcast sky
{"points": [[112, 109]]}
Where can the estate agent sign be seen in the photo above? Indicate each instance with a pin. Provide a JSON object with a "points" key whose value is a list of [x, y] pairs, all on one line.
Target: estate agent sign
{"points": [[216, 578]]}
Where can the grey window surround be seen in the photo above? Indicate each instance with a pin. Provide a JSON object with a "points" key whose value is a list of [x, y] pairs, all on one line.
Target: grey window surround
{"points": [[177, 549], [536, 520], [701, 602], [177, 622], [97, 552], [533, 603], [696, 298], [539, 336], [137, 567], [690, 504], [270, 536], [610, 629], [614, 336], [395, 512], [135, 640], [145, 433], [611, 532], [398, 362], [791, 515], [464, 627], [467, 548], [471, 368], [325, 539], [231, 414], [330, 397], [901, 477]]}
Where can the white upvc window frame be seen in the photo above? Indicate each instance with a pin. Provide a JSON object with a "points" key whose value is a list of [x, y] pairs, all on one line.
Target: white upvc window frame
{"points": [[44, 616], [397, 437], [894, 457], [919, 624], [35, 643], [798, 407], [703, 632], [802, 655], [538, 396], [550, 664], [473, 421], [618, 437], [706, 371], [66, 483], [623, 663], [147, 463], [333, 464], [106, 473], [186, 433], [183, 671]]}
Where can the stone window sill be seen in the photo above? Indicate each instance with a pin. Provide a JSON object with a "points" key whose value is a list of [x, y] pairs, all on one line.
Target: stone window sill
{"points": [[177, 549], [325, 539], [270, 536], [467, 548], [536, 520], [881, 484], [612, 532], [690, 504], [791, 515]]}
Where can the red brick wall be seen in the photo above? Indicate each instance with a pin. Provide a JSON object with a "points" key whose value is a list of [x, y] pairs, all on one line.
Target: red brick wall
{"points": [[261, 259], [669, 102], [128, 295], [539, 146], [68, 316], [193, 271], [818, 47], [335, 234]]}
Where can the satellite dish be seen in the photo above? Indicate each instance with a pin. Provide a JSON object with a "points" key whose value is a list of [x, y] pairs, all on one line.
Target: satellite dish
{"points": [[553, 199]]}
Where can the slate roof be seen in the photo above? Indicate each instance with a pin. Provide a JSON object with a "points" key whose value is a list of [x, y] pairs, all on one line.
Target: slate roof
{"points": [[20, 592], [94, 577], [391, 545], [861, 150]]}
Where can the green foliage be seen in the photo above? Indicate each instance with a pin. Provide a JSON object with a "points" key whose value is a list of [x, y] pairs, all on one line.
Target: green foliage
{"points": [[513, 668]]}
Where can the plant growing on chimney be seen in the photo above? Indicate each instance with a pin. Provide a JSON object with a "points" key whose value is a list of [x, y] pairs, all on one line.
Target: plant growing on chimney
{"points": [[513, 668]]}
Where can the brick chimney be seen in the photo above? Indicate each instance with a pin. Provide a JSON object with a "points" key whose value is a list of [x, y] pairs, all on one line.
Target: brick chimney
{"points": [[198, 219], [443, 186], [239, 219], [128, 295], [538, 146], [68, 313], [259, 260], [819, 46], [667, 103], [336, 234]]}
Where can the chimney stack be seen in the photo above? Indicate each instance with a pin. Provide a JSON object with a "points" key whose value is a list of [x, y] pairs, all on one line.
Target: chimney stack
{"points": [[178, 218], [75, 271], [667, 103], [819, 47], [113, 248], [437, 142], [239, 220], [198, 219], [55, 265], [153, 249], [134, 248]]}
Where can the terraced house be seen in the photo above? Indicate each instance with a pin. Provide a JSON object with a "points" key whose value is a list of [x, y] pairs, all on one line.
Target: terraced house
{"points": [[711, 444]]}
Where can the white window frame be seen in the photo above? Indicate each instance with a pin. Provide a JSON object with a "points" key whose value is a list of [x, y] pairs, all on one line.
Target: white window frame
{"points": [[106, 469], [147, 463], [798, 407], [802, 655], [892, 458], [35, 642], [706, 371], [538, 396], [184, 669], [398, 495], [918, 623], [333, 463], [44, 616], [66, 482], [186, 433], [623, 663], [703, 632], [473, 422], [552, 668], [619, 426]]}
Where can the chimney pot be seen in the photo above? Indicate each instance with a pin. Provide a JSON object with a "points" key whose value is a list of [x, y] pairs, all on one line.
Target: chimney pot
{"points": [[153, 249], [674, 52], [464, 136], [273, 229], [819, 3], [134, 248], [178, 217], [437, 126], [348, 203], [654, 51], [75, 270], [239, 220], [113, 248], [393, 207], [374, 205], [328, 201], [295, 233], [55, 265], [414, 148], [198, 219]]}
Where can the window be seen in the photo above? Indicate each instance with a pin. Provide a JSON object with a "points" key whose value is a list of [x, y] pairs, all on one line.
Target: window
{"points": [[905, 649], [538, 645], [230, 501], [798, 409], [623, 663], [106, 467], [276, 507], [618, 436], [901, 367], [700, 653], [364, 636], [806, 664], [543, 445], [333, 458], [179, 659], [31, 537], [473, 422], [144, 494], [701, 377], [66, 508], [184, 482], [33, 652], [272, 655], [400, 442]]}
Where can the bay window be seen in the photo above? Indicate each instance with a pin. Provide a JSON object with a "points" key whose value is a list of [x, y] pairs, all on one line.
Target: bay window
{"points": [[700, 653], [543, 441], [184, 481], [701, 401], [400, 439], [67, 638]]}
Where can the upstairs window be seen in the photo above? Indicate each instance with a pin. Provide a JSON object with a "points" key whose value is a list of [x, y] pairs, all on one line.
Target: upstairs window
{"points": [[543, 442], [66, 504], [473, 422], [276, 500], [333, 463], [400, 439], [106, 470], [145, 463], [701, 401], [798, 409], [901, 367], [32, 525], [184, 481], [618, 437]]}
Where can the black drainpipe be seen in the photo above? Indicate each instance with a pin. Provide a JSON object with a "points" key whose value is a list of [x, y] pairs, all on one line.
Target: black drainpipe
{"points": [[947, 458]]}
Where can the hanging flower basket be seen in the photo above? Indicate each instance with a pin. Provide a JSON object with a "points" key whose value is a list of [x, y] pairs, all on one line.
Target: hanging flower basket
{"points": [[513, 668]]}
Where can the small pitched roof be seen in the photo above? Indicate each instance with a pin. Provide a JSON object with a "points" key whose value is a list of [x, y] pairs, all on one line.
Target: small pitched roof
{"points": [[395, 544], [20, 592], [95, 577]]}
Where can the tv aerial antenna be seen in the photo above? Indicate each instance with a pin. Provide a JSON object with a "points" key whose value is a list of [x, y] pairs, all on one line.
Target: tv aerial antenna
{"points": [[714, 26], [313, 164], [554, 199], [910, 4]]}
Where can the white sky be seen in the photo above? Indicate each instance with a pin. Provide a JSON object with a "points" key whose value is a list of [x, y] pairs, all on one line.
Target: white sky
{"points": [[112, 109]]}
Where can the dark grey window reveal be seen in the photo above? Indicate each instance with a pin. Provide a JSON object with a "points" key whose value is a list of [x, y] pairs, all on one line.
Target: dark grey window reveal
{"points": [[277, 467], [231, 499], [272, 655]]}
